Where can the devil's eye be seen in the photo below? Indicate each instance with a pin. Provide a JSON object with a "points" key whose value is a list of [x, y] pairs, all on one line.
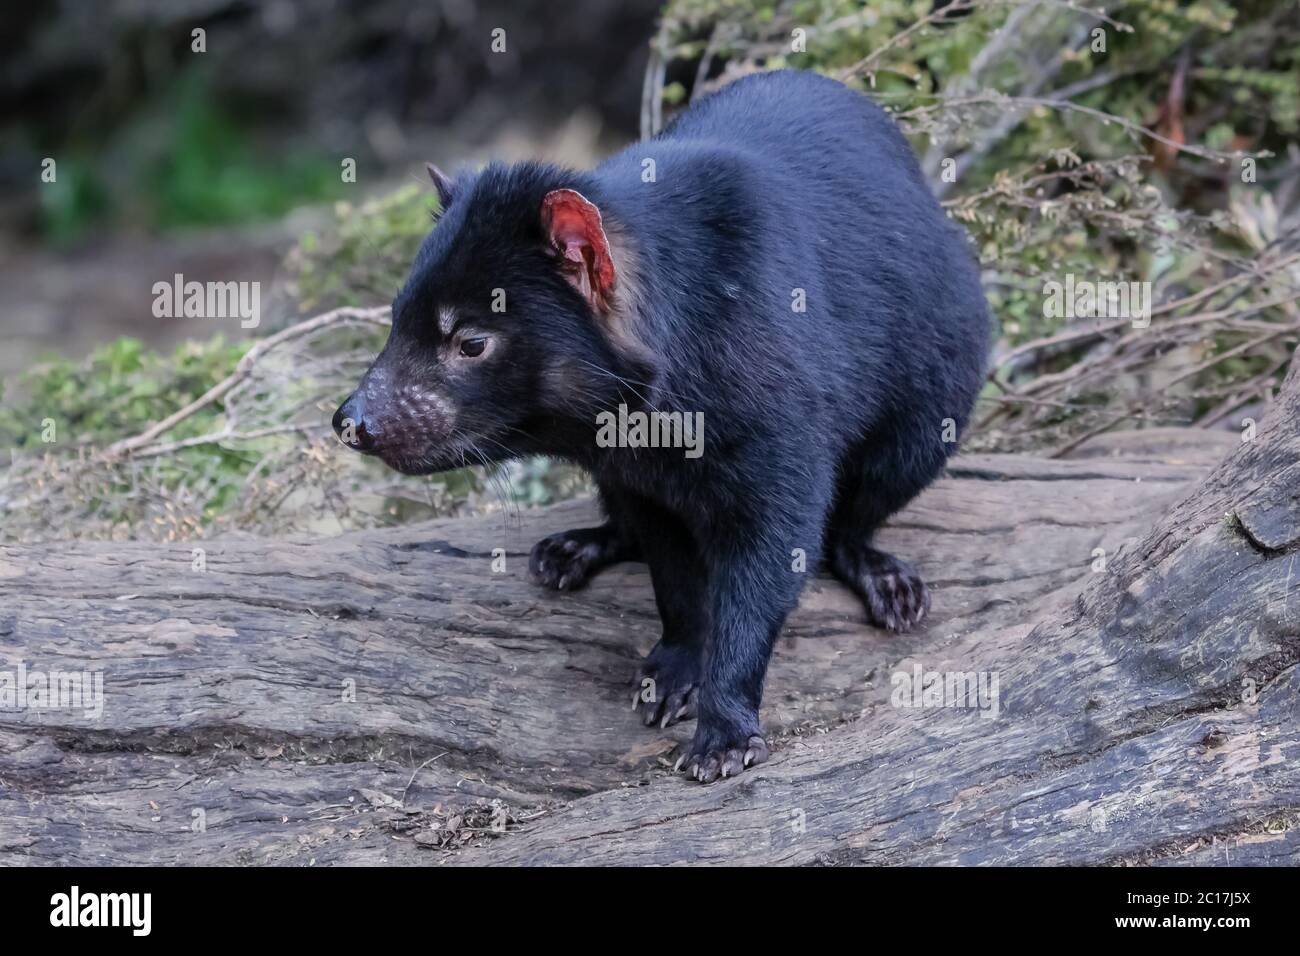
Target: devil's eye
{"points": [[473, 348]]}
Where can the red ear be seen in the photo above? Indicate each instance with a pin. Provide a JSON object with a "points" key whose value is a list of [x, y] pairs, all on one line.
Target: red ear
{"points": [[574, 227]]}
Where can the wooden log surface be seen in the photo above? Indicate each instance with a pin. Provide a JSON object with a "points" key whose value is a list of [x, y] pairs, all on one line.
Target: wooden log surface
{"points": [[389, 696]]}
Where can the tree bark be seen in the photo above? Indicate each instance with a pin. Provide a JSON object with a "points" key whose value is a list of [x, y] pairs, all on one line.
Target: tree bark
{"points": [[1145, 710]]}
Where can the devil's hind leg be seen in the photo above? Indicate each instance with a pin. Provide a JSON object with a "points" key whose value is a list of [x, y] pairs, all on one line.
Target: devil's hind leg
{"points": [[874, 484]]}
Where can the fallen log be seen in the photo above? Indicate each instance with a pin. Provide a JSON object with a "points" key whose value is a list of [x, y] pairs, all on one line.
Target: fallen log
{"points": [[408, 696]]}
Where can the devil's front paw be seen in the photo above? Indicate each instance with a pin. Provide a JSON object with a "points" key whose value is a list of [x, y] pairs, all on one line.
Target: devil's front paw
{"points": [[566, 561], [891, 589], [667, 683], [896, 597], [718, 752]]}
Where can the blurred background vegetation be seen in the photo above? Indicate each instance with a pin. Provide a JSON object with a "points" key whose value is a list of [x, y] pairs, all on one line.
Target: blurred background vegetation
{"points": [[1067, 139]]}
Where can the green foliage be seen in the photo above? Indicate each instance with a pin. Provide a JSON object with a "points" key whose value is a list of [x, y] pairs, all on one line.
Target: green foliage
{"points": [[191, 162], [210, 173], [76, 202], [119, 390], [365, 257]]}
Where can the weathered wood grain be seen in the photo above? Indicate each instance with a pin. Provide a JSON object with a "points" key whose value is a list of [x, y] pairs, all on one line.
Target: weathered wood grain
{"points": [[1123, 730]]}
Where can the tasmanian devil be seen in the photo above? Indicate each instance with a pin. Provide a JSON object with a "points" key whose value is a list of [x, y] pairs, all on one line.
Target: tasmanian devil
{"points": [[772, 265]]}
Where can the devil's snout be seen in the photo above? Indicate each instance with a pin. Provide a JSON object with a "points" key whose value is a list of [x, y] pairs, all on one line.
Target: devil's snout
{"points": [[398, 420], [351, 427]]}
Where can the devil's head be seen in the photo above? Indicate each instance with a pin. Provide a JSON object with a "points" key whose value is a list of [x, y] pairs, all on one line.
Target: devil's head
{"points": [[514, 329]]}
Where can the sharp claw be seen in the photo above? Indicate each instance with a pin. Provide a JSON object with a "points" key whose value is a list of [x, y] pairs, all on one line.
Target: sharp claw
{"points": [[749, 756], [678, 765]]}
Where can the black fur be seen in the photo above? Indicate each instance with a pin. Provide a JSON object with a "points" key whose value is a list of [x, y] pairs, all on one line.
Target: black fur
{"points": [[818, 424]]}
